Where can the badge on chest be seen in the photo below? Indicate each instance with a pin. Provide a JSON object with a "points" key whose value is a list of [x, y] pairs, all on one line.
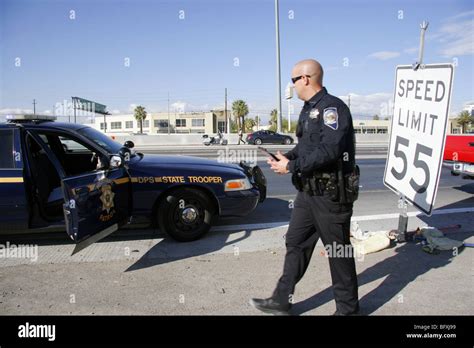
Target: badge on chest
{"points": [[313, 114]]}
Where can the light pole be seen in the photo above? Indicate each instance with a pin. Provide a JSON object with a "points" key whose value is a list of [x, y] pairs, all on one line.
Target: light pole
{"points": [[288, 96], [277, 33]]}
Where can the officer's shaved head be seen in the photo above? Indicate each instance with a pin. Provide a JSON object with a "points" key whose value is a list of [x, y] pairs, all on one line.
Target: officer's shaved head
{"points": [[306, 86]]}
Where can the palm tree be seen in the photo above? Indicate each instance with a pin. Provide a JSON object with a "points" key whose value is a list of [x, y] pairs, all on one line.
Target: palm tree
{"points": [[140, 115], [240, 110], [250, 123], [464, 119], [273, 120]]}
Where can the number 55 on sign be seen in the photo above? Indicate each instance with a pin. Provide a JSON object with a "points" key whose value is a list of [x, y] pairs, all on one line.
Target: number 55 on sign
{"points": [[418, 132]]}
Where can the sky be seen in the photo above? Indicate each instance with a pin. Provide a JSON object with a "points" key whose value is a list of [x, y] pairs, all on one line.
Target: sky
{"points": [[124, 53]]}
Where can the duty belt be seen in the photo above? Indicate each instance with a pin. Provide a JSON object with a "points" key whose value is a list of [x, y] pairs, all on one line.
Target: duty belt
{"points": [[317, 184]]}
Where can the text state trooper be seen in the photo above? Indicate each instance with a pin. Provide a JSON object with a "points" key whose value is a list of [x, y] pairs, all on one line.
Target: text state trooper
{"points": [[324, 172]]}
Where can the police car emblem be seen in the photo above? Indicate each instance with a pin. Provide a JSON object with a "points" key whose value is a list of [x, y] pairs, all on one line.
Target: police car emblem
{"points": [[331, 118], [107, 198], [314, 114]]}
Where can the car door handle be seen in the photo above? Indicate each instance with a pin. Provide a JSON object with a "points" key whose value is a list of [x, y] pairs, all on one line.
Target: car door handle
{"points": [[82, 191], [471, 143]]}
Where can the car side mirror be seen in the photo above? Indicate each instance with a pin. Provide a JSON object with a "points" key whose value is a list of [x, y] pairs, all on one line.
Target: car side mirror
{"points": [[115, 161], [125, 153], [129, 144]]}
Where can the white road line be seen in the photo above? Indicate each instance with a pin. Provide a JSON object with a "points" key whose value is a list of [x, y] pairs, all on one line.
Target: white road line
{"points": [[262, 226], [411, 214], [384, 190]]}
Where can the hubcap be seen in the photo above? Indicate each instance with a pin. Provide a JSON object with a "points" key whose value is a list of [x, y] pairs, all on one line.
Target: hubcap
{"points": [[189, 215]]}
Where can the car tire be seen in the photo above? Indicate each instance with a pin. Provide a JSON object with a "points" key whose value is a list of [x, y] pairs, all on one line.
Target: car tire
{"points": [[257, 141], [173, 220], [287, 141]]}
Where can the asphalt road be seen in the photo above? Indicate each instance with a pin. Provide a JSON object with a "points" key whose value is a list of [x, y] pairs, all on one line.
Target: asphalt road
{"points": [[363, 150], [375, 198]]}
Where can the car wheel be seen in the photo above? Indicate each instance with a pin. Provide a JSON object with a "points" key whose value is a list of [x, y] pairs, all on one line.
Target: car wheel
{"points": [[257, 141], [185, 214], [287, 141]]}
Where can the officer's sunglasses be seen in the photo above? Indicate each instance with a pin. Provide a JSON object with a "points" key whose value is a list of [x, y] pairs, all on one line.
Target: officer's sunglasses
{"points": [[294, 79]]}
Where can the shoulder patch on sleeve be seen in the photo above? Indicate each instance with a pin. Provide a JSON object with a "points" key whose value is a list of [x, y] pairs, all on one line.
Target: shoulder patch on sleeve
{"points": [[331, 118]]}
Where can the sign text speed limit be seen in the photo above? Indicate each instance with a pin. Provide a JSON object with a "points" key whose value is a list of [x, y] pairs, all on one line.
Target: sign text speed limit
{"points": [[420, 115]]}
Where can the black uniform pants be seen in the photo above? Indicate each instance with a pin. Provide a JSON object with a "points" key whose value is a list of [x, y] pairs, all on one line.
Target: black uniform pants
{"points": [[315, 217]]}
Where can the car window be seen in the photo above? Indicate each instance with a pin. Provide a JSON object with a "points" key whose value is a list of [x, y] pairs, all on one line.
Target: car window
{"points": [[100, 139], [72, 146], [6, 150], [75, 156]]}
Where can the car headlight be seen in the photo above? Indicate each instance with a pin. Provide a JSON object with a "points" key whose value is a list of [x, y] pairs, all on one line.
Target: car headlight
{"points": [[237, 185]]}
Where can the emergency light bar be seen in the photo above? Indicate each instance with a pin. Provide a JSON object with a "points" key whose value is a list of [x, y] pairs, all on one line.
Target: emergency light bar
{"points": [[29, 117]]}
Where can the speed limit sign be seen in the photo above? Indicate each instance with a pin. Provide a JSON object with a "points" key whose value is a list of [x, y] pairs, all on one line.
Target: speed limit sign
{"points": [[420, 116]]}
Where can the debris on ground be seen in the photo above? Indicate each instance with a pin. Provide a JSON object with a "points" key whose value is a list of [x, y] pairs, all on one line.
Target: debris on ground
{"points": [[437, 241]]}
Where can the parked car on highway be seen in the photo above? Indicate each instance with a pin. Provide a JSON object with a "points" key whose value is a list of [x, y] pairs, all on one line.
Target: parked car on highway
{"points": [[71, 175], [459, 152], [268, 137]]}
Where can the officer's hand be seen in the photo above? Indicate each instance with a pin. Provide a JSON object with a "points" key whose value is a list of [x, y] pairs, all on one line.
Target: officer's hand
{"points": [[279, 167], [270, 160]]}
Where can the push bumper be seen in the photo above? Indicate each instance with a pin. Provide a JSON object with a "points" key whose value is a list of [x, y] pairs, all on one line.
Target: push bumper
{"points": [[239, 203], [466, 169]]}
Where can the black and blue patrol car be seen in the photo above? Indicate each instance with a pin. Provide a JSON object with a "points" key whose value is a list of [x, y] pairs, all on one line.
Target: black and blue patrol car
{"points": [[54, 174]]}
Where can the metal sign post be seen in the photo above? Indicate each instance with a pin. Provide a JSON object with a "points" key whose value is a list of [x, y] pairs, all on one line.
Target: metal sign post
{"points": [[423, 27], [402, 235]]}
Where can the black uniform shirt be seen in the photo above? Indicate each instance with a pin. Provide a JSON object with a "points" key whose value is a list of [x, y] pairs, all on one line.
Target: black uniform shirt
{"points": [[325, 134]]}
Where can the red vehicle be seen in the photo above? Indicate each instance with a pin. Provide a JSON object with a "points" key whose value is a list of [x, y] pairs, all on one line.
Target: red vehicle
{"points": [[459, 151]]}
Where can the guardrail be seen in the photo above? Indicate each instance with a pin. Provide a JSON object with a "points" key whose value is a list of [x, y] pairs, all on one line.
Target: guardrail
{"points": [[196, 139]]}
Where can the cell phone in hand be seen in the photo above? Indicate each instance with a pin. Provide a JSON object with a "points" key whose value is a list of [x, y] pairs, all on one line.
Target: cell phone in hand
{"points": [[268, 153]]}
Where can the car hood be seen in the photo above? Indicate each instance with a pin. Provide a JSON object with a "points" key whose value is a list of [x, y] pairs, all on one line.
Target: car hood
{"points": [[183, 162]]}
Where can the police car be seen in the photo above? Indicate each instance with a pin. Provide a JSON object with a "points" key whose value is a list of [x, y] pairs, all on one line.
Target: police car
{"points": [[64, 174]]}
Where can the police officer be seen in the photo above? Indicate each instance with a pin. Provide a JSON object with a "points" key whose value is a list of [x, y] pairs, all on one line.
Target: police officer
{"points": [[323, 157]]}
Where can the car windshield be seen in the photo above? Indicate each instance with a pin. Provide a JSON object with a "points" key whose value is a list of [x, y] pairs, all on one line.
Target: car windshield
{"points": [[99, 138]]}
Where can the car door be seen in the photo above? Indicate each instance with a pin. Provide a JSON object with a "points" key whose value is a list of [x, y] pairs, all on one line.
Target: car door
{"points": [[96, 203], [272, 138], [278, 138], [13, 198]]}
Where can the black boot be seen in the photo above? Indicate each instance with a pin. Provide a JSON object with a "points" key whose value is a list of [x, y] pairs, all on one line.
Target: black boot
{"points": [[269, 305], [355, 312]]}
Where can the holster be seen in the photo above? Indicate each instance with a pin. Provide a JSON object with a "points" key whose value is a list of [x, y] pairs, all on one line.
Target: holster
{"points": [[351, 182], [297, 181]]}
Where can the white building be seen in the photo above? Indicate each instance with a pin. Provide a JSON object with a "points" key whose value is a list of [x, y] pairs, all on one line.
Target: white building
{"points": [[469, 108], [371, 126], [158, 122]]}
